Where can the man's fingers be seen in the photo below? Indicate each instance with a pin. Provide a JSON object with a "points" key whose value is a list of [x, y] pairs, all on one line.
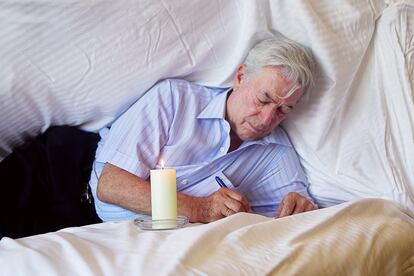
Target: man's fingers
{"points": [[287, 207], [239, 198], [300, 206], [279, 209], [225, 211], [234, 195], [232, 204], [302, 203], [310, 207], [294, 203]]}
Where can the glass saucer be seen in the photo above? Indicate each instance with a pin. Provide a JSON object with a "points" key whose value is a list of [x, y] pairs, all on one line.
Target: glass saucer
{"points": [[161, 224]]}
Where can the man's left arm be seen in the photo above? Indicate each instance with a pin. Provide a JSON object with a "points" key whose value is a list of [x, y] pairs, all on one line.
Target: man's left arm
{"points": [[295, 196]]}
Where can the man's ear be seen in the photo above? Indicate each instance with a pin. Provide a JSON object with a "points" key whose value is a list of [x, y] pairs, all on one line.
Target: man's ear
{"points": [[239, 76]]}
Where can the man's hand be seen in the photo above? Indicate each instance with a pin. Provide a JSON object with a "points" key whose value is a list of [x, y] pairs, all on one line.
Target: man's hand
{"points": [[294, 203], [220, 204]]}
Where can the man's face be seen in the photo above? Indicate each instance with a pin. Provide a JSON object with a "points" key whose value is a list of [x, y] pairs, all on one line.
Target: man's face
{"points": [[254, 108]]}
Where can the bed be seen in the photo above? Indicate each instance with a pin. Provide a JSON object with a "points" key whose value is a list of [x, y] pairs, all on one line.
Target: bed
{"points": [[84, 62]]}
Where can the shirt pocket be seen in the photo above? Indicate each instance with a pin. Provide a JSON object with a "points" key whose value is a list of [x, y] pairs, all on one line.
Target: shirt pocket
{"points": [[201, 182], [225, 179]]}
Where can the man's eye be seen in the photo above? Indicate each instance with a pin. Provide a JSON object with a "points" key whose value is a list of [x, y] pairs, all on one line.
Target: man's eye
{"points": [[285, 109], [261, 101]]}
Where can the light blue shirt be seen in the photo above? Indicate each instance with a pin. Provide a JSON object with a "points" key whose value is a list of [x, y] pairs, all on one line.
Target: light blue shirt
{"points": [[184, 124]]}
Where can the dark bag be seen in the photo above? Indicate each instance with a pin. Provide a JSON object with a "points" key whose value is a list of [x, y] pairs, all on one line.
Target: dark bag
{"points": [[44, 183]]}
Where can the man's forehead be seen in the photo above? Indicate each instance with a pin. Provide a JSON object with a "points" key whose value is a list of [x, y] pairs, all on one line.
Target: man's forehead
{"points": [[282, 86]]}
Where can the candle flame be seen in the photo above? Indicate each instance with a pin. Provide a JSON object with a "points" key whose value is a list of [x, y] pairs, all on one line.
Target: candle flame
{"points": [[162, 163]]}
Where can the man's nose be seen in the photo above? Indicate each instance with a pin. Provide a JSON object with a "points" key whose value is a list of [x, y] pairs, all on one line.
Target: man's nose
{"points": [[266, 117]]}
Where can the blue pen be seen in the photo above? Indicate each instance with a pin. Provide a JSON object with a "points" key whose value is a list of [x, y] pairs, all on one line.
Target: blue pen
{"points": [[220, 182]]}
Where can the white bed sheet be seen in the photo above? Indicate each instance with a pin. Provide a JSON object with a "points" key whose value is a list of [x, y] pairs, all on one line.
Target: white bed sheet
{"points": [[84, 62], [367, 237]]}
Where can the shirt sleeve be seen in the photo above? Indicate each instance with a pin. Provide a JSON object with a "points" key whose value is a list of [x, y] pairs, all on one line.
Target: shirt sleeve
{"points": [[136, 138]]}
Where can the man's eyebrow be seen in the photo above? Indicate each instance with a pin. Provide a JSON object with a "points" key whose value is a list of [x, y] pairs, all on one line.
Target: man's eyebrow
{"points": [[270, 98]]}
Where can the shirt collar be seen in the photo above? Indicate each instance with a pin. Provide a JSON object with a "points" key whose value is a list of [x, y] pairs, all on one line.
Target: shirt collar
{"points": [[277, 136], [216, 108]]}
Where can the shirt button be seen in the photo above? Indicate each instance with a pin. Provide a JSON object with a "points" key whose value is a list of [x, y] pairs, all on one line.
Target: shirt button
{"points": [[222, 149], [184, 182]]}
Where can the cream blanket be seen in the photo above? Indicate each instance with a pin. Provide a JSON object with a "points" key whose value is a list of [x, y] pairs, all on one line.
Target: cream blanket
{"points": [[367, 237]]}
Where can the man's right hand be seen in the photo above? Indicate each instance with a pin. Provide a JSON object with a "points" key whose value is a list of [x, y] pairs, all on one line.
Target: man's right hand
{"points": [[222, 203]]}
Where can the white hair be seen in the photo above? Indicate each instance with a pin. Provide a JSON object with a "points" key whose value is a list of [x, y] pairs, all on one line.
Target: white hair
{"points": [[296, 61]]}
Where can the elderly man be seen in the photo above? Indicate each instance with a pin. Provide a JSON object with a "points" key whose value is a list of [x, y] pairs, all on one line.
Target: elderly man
{"points": [[205, 133]]}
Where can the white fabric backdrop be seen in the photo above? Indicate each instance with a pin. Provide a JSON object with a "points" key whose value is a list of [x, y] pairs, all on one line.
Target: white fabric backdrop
{"points": [[83, 62]]}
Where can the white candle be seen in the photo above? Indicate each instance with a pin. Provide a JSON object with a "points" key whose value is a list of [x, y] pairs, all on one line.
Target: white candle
{"points": [[163, 194]]}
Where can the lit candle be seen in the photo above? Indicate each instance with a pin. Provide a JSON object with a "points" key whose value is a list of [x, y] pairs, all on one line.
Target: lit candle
{"points": [[163, 194]]}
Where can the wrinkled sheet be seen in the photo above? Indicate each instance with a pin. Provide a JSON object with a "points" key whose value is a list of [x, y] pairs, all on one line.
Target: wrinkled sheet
{"points": [[83, 62], [367, 237]]}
